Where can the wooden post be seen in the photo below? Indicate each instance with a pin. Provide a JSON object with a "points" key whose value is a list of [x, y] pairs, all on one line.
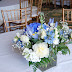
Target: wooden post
{"points": [[63, 3], [20, 8], [54, 3], [63, 14], [60, 2], [70, 3]]}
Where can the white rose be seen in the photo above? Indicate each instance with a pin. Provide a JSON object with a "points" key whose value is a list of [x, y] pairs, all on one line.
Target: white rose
{"points": [[24, 39], [18, 35], [41, 50]]}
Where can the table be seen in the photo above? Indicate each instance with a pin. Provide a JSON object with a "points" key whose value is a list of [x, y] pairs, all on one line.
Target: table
{"points": [[11, 59], [8, 5], [13, 4]]}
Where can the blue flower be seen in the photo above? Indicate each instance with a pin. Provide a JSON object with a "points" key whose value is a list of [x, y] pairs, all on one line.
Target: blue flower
{"points": [[35, 36], [32, 29], [19, 44], [61, 32], [52, 21], [34, 26], [29, 30], [49, 41], [56, 24], [50, 37], [44, 26]]}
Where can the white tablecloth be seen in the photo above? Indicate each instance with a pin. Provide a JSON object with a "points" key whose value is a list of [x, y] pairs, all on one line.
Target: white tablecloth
{"points": [[58, 2], [12, 61], [9, 5]]}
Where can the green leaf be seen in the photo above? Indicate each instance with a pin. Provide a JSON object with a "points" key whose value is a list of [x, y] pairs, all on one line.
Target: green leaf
{"points": [[34, 40], [63, 38], [46, 65], [63, 48], [30, 63], [40, 41], [59, 27], [29, 45]]}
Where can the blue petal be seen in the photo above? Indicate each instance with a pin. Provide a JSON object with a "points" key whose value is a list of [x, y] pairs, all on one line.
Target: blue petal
{"points": [[46, 40], [52, 20], [35, 36], [56, 24]]}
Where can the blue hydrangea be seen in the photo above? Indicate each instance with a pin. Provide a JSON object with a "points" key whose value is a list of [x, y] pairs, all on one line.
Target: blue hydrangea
{"points": [[50, 37]]}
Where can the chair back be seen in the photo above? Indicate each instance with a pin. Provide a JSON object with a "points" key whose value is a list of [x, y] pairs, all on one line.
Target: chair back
{"points": [[66, 2], [67, 15], [39, 6], [28, 5], [25, 3], [13, 16]]}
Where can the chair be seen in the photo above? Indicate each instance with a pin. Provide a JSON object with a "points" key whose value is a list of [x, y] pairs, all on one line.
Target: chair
{"points": [[2, 26], [66, 2], [46, 1], [36, 9], [34, 5], [27, 4], [55, 2], [13, 16], [67, 15]]}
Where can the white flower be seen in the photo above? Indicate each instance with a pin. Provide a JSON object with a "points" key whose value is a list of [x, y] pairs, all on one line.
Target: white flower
{"points": [[41, 49], [44, 23], [43, 33], [56, 31], [18, 35], [71, 34], [51, 28], [39, 27], [15, 39], [34, 57], [52, 24], [47, 29], [26, 53], [30, 55], [65, 27], [56, 41], [56, 36], [24, 38]]}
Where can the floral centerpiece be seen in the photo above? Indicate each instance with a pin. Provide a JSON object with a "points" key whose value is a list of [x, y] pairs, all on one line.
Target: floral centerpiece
{"points": [[40, 42]]}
